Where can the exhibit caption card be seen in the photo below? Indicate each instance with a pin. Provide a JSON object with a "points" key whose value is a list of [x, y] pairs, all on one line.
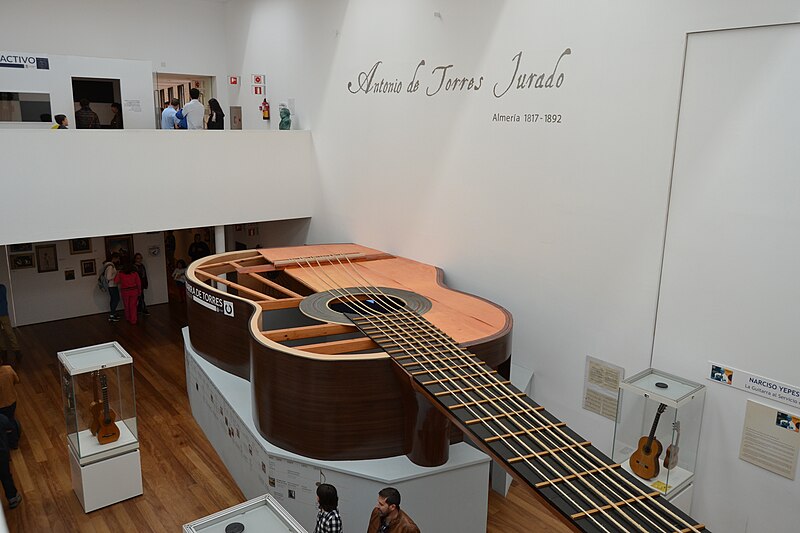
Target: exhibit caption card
{"points": [[770, 439]]}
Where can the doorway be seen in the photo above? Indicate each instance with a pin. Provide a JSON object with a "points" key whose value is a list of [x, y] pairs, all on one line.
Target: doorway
{"points": [[169, 86], [101, 93]]}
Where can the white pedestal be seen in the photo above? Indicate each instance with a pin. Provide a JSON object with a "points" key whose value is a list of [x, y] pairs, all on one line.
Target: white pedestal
{"points": [[108, 481], [451, 497]]}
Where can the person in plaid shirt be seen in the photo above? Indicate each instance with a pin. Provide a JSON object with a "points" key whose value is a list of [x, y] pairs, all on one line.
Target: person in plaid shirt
{"points": [[328, 519]]}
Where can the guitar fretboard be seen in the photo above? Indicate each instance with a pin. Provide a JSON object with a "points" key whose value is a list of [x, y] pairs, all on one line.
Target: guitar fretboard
{"points": [[578, 480]]}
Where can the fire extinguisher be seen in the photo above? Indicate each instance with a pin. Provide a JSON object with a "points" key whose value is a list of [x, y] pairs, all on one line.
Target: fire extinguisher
{"points": [[264, 107]]}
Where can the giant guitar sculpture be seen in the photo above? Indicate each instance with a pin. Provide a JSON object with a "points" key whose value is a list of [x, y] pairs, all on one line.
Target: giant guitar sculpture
{"points": [[353, 353]]}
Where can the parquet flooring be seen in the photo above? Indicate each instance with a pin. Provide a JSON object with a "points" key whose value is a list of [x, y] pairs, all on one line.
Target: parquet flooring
{"points": [[184, 478]]}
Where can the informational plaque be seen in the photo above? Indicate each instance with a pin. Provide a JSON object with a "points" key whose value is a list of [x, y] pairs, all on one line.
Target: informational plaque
{"points": [[601, 387], [770, 439]]}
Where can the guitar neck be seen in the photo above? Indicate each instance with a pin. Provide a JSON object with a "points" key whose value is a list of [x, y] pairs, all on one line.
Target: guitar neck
{"points": [[531, 443], [652, 434], [106, 411]]}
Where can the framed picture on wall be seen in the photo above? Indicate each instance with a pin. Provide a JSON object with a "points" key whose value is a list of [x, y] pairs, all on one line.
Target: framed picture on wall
{"points": [[88, 267], [69, 275], [46, 258], [80, 246], [19, 261], [18, 248], [121, 244]]}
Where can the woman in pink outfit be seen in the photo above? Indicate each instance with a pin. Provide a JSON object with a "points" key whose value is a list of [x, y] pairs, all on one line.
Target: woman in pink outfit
{"points": [[130, 287]]}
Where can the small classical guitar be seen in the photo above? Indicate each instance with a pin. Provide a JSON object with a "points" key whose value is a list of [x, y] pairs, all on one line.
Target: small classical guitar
{"points": [[107, 430], [671, 457], [644, 461], [96, 407]]}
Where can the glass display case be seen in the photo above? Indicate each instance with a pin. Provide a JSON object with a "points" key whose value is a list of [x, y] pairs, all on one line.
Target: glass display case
{"points": [[99, 402], [657, 432], [259, 515]]}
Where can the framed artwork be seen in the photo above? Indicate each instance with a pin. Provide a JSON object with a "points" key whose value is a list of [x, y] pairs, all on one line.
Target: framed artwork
{"points": [[80, 246], [18, 248], [46, 258], [69, 275], [121, 244], [88, 267], [19, 261]]}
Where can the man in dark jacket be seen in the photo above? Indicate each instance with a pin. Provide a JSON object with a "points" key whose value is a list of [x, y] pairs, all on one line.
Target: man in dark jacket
{"points": [[85, 118], [13, 496], [387, 517]]}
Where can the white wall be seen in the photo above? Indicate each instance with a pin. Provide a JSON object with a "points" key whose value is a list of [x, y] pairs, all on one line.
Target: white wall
{"points": [[136, 85], [41, 297], [563, 225], [267, 234], [79, 183]]}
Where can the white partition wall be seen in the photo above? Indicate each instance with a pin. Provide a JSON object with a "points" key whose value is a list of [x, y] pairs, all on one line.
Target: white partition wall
{"points": [[730, 290]]}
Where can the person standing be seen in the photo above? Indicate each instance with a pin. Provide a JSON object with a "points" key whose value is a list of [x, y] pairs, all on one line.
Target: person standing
{"points": [[62, 122], [168, 120], [179, 275], [116, 120], [138, 265], [110, 273], [387, 517], [85, 118], [8, 402], [193, 112], [130, 287], [8, 339], [216, 121], [198, 248], [328, 519], [13, 496]]}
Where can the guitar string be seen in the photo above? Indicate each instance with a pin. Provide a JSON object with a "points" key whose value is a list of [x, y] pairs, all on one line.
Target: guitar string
{"points": [[527, 430], [348, 296], [563, 494], [544, 422], [537, 414]]}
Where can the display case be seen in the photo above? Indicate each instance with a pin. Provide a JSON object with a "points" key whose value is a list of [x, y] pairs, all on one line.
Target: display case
{"points": [[259, 515], [657, 432], [99, 401], [100, 413]]}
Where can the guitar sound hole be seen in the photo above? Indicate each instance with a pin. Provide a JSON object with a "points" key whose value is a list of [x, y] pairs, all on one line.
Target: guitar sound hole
{"points": [[376, 304]]}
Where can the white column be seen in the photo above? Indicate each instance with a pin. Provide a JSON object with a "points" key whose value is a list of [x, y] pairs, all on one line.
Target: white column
{"points": [[219, 247]]}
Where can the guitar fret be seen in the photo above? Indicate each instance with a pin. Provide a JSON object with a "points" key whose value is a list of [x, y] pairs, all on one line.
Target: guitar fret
{"points": [[549, 452], [504, 415], [573, 476], [465, 376], [467, 389], [525, 432], [629, 501], [444, 359], [479, 402]]}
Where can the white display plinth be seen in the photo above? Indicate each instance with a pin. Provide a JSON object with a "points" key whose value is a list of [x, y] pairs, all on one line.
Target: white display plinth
{"points": [[108, 481], [451, 497]]}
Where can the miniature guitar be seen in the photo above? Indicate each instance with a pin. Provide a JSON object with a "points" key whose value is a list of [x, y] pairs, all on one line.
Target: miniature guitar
{"points": [[671, 457], [96, 407], [644, 461], [107, 430]]}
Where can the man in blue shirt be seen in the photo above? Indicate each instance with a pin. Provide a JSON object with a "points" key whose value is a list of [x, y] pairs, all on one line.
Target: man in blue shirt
{"points": [[8, 340], [168, 120]]}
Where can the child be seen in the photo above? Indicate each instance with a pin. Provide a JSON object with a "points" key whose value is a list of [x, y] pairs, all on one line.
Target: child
{"points": [[179, 275]]}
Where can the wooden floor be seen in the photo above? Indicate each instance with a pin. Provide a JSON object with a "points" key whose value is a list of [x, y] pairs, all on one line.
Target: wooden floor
{"points": [[184, 478]]}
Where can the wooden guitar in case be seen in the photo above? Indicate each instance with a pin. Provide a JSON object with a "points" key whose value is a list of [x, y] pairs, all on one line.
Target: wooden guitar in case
{"points": [[96, 407], [671, 457], [107, 430], [644, 461]]}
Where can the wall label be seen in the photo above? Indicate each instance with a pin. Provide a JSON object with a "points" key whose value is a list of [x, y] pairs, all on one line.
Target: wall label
{"points": [[760, 386], [12, 60], [444, 79], [210, 301]]}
